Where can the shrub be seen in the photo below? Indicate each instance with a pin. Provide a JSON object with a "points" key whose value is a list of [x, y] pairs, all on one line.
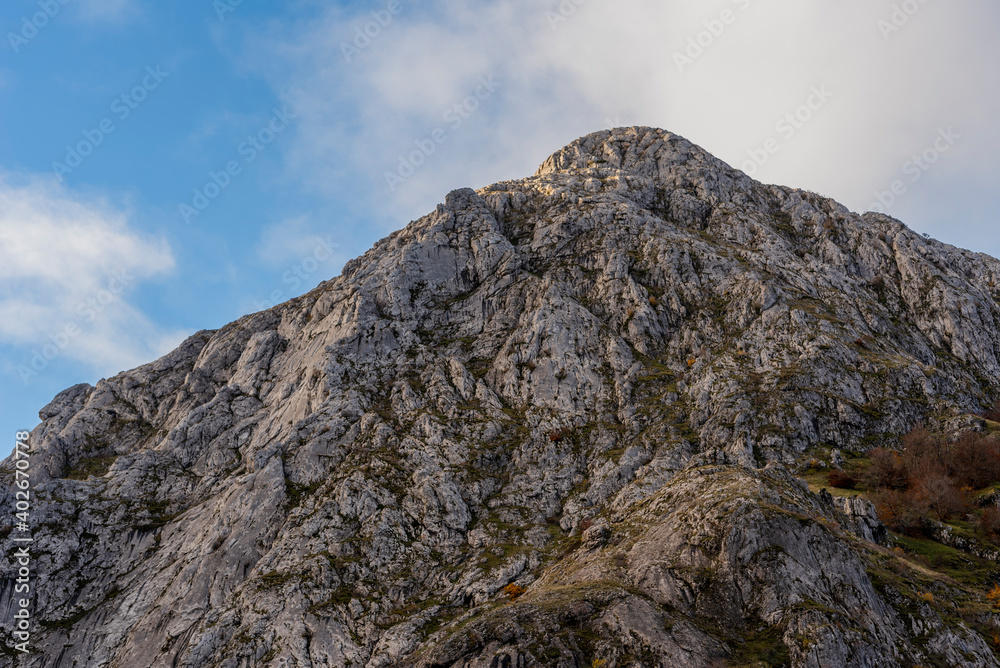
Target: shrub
{"points": [[899, 511], [993, 414], [887, 470], [990, 522], [840, 480], [922, 452], [865, 341], [975, 460], [513, 592], [939, 494], [994, 596]]}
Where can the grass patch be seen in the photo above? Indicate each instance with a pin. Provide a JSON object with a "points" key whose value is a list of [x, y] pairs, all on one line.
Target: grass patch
{"points": [[959, 566], [340, 596], [91, 466], [765, 647], [158, 516], [295, 494], [817, 480], [68, 623], [275, 579]]}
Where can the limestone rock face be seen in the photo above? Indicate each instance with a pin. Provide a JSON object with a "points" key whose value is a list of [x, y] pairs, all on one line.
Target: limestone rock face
{"points": [[638, 337]]}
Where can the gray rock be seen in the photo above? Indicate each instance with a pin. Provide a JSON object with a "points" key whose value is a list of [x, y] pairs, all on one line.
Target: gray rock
{"points": [[371, 473], [863, 519], [836, 459], [596, 535]]}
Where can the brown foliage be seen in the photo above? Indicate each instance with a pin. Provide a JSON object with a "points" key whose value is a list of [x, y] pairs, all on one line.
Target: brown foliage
{"points": [[990, 522], [922, 452], [513, 592], [993, 414], [975, 460], [887, 470], [994, 596], [929, 476], [900, 511], [938, 493], [840, 480]]}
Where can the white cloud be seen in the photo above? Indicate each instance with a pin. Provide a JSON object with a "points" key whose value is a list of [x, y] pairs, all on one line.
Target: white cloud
{"points": [[618, 60], [303, 253], [293, 239], [68, 265], [288, 240]]}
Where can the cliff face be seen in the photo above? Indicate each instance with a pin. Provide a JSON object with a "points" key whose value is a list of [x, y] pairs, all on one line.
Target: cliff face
{"points": [[589, 384]]}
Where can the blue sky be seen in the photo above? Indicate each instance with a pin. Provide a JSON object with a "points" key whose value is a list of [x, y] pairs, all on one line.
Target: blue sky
{"points": [[168, 167]]}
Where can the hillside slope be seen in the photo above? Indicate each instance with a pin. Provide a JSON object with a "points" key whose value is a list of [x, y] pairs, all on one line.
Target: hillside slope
{"points": [[589, 384]]}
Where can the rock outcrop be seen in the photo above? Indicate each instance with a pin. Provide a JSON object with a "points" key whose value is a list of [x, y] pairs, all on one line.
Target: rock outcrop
{"points": [[589, 384]]}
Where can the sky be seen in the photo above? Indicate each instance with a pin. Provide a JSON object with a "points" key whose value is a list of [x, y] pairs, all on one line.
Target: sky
{"points": [[167, 167]]}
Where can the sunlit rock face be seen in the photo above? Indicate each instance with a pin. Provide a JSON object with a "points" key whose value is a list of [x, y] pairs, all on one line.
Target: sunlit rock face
{"points": [[551, 423]]}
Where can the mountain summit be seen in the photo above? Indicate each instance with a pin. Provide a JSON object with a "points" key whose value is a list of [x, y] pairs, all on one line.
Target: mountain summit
{"points": [[551, 423]]}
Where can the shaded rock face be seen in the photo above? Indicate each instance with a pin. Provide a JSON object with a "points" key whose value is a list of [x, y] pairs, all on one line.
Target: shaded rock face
{"points": [[638, 337]]}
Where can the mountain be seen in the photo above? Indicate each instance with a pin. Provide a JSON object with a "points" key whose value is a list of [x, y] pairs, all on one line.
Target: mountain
{"points": [[555, 422]]}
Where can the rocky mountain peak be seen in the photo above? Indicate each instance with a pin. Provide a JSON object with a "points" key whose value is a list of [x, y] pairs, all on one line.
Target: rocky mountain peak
{"points": [[635, 150], [550, 423]]}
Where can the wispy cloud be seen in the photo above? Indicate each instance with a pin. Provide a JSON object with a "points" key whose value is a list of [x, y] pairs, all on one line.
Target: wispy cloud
{"points": [[68, 265], [563, 78], [287, 240], [304, 251]]}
